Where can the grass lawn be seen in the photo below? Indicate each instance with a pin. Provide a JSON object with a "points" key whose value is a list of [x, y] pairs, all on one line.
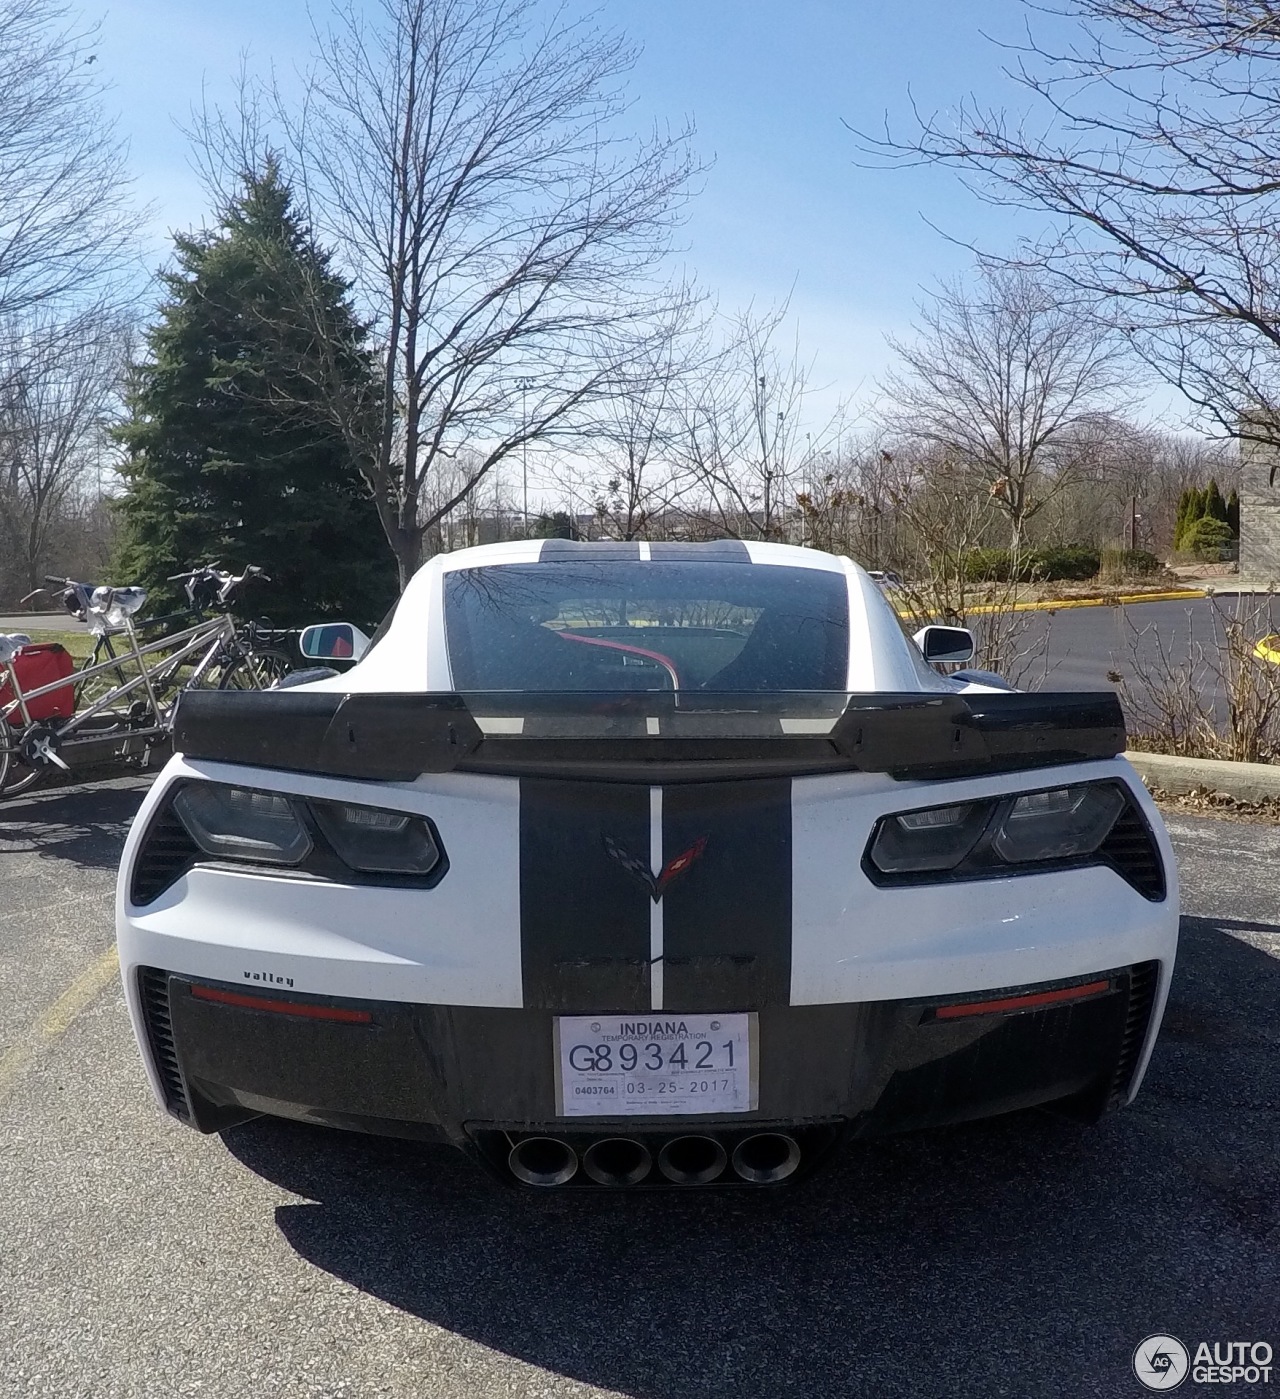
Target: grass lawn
{"points": [[79, 643]]}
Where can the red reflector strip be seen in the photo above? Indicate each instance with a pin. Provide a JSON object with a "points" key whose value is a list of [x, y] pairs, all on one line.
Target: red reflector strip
{"points": [[1027, 1002], [234, 998]]}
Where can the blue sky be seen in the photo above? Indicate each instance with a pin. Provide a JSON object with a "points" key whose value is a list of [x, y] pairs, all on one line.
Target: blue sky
{"points": [[768, 85]]}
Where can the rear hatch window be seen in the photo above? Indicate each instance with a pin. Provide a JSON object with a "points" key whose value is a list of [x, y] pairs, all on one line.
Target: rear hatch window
{"points": [[622, 626]]}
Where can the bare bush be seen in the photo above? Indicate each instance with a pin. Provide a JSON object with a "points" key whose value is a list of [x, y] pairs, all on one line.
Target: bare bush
{"points": [[1215, 697], [944, 523]]}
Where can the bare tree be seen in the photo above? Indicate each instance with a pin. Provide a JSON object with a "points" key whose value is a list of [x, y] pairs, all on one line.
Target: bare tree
{"points": [[850, 501], [1155, 139], [746, 448], [940, 522], [507, 247], [65, 223], [1130, 481], [1007, 380], [61, 381], [632, 474]]}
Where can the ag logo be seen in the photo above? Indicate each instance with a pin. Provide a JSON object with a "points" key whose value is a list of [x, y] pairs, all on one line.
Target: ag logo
{"points": [[1161, 1362]]}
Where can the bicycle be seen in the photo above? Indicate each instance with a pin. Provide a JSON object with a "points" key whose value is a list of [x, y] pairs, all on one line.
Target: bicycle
{"points": [[205, 586], [256, 662], [213, 652]]}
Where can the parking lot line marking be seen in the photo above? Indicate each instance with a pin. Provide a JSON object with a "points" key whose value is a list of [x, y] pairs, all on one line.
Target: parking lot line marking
{"points": [[58, 1019]]}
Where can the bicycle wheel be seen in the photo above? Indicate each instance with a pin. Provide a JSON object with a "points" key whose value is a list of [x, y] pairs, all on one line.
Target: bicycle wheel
{"points": [[16, 774], [255, 670]]}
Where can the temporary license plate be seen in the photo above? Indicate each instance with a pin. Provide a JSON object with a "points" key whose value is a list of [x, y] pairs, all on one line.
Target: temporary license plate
{"points": [[654, 1065]]}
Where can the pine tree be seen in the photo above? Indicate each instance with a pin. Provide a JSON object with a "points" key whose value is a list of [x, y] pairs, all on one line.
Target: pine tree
{"points": [[1196, 504], [558, 525], [230, 456], [1215, 507], [1189, 511]]}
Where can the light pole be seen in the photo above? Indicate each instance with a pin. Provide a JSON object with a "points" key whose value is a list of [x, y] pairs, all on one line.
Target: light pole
{"points": [[524, 386]]}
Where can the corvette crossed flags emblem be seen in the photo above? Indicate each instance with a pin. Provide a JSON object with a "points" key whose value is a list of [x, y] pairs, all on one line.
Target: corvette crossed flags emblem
{"points": [[655, 883]]}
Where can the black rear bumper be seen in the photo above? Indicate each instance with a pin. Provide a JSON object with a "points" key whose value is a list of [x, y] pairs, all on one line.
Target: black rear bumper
{"points": [[462, 1074]]}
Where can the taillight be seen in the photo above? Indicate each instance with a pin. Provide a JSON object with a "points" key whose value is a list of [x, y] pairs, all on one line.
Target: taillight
{"points": [[1058, 824], [376, 841], [937, 838], [239, 823], [1012, 835]]}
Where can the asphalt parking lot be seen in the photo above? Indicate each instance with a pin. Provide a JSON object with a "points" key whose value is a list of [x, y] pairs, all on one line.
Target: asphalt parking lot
{"points": [[1086, 648], [1021, 1257]]}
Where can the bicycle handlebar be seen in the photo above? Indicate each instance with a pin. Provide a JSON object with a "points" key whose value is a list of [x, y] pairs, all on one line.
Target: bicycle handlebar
{"points": [[212, 576], [213, 571]]}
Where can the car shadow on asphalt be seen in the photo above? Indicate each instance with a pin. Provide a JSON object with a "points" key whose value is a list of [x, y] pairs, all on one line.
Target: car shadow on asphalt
{"points": [[1025, 1255], [85, 823]]}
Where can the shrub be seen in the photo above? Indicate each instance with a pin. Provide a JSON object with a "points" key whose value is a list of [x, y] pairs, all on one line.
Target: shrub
{"points": [[987, 566], [1207, 504], [1072, 562], [1055, 563], [1209, 540], [1139, 562], [1128, 563]]}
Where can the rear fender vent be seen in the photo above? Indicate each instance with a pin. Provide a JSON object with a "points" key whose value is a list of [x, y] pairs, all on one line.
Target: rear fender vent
{"points": [[1131, 851], [1142, 993], [153, 989], [166, 854]]}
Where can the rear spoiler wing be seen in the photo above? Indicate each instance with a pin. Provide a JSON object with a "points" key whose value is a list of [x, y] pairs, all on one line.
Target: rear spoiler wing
{"points": [[654, 737]]}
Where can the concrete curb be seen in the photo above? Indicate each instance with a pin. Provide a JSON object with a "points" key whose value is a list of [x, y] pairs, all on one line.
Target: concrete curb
{"points": [[1119, 600], [1061, 604], [1246, 782]]}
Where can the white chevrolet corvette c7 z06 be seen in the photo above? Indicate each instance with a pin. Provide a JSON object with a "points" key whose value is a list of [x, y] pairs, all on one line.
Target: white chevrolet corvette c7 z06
{"points": [[631, 865]]}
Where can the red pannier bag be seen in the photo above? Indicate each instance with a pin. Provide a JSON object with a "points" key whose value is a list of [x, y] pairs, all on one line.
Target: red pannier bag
{"points": [[39, 664]]}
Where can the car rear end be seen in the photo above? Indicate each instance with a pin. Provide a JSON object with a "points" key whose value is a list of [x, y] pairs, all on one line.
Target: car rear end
{"points": [[618, 926]]}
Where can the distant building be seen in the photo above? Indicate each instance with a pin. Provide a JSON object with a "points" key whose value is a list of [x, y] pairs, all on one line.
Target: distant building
{"points": [[1260, 512]]}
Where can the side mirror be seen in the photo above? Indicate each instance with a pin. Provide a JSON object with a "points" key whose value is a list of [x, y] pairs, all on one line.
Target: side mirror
{"points": [[333, 641], [946, 645]]}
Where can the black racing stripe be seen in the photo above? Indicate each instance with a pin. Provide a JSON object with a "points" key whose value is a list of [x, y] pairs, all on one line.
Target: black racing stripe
{"points": [[726, 923], [717, 551], [584, 917], [580, 551]]}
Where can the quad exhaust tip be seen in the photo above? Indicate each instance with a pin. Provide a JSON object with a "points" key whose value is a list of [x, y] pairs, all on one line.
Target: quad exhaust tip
{"points": [[766, 1157], [543, 1161], [760, 1159], [692, 1160], [617, 1161]]}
